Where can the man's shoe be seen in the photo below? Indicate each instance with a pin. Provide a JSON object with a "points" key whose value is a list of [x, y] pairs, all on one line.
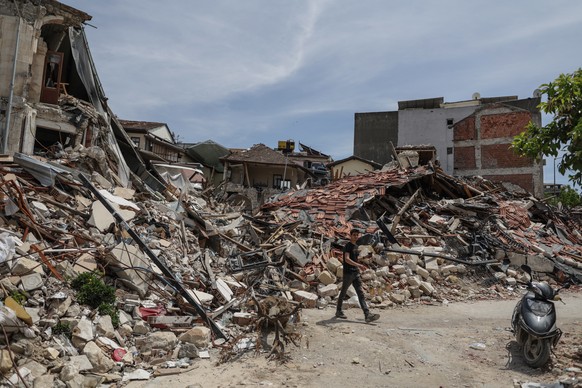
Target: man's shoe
{"points": [[340, 314], [372, 317]]}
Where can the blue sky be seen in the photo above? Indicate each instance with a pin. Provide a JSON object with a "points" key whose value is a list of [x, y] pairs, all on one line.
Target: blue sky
{"points": [[247, 72]]}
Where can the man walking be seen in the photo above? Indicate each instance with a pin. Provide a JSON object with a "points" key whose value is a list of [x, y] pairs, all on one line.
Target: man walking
{"points": [[352, 276]]}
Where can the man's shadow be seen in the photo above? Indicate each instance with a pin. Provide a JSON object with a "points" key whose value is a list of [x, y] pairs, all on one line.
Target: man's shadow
{"points": [[334, 321]]}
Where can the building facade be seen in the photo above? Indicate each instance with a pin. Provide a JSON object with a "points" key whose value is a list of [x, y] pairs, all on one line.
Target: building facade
{"points": [[432, 121]]}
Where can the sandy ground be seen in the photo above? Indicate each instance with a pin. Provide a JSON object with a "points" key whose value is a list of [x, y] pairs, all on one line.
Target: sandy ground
{"points": [[418, 346]]}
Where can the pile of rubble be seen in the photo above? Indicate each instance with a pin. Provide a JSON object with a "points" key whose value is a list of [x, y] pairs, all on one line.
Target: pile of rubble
{"points": [[105, 284]]}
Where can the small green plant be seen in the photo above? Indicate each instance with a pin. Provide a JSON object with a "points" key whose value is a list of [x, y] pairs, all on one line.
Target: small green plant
{"points": [[112, 311], [18, 296], [63, 328], [93, 292]]}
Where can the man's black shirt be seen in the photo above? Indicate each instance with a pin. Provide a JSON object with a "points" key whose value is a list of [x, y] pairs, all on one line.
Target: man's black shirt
{"points": [[352, 250]]}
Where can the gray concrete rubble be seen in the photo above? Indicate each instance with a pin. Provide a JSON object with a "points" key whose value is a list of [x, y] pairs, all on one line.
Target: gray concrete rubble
{"points": [[220, 270]]}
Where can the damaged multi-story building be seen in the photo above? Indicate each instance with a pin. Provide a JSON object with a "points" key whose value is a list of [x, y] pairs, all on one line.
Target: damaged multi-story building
{"points": [[51, 98], [434, 122]]}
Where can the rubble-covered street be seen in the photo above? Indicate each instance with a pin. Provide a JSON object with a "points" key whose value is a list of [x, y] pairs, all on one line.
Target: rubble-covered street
{"points": [[104, 285]]}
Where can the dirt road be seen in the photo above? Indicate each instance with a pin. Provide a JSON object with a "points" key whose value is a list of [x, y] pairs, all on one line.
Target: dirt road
{"points": [[419, 346]]}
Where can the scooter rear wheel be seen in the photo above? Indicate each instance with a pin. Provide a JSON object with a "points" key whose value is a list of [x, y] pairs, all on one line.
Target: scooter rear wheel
{"points": [[536, 351]]}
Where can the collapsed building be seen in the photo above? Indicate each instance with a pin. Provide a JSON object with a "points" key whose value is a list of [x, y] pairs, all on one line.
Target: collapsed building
{"points": [[185, 272]]}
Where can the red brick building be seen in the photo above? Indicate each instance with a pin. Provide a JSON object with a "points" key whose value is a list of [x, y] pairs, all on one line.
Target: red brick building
{"points": [[482, 146]]}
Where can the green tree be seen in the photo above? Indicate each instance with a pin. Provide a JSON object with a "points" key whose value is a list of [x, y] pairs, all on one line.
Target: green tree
{"points": [[564, 132]]}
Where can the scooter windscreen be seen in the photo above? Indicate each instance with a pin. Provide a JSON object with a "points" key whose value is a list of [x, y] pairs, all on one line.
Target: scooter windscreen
{"points": [[539, 316]]}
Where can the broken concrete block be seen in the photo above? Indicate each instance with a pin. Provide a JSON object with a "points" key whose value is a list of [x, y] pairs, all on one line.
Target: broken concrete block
{"points": [[308, 299], [124, 193], [427, 288], [516, 259], [393, 257], [415, 292], [140, 328], [199, 336], [397, 298], [188, 351], [100, 361], [81, 363], [85, 263], [414, 281], [5, 361], [58, 306], [100, 180], [242, 318], [36, 369], [51, 354], [431, 263], [105, 327], [399, 269], [296, 253], [82, 333], [127, 257], [327, 278], [448, 269], [539, 263], [102, 219], [159, 340], [25, 266], [423, 272], [333, 264], [45, 381], [201, 296], [31, 282], [329, 290], [68, 372]]}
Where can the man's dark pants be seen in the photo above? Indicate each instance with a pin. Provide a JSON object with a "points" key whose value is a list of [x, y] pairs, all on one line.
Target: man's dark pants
{"points": [[352, 277]]}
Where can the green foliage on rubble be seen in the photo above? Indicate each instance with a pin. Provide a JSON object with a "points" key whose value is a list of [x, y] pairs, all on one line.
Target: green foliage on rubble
{"points": [[18, 296], [63, 328], [93, 292]]}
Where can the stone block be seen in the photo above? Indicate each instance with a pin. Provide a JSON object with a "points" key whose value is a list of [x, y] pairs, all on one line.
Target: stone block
{"points": [[397, 298], [425, 274], [427, 288], [297, 254], [85, 263], [399, 269], [308, 299], [81, 363], [516, 259], [25, 266], [539, 263], [36, 369], [126, 257], [431, 263], [333, 264], [105, 327], [327, 278], [329, 290], [82, 333], [31, 282], [414, 281], [199, 336]]}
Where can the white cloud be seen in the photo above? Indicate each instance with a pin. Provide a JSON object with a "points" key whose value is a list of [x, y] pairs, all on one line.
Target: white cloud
{"points": [[244, 72]]}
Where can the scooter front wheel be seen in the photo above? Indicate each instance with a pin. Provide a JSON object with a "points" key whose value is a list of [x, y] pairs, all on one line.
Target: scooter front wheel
{"points": [[536, 351]]}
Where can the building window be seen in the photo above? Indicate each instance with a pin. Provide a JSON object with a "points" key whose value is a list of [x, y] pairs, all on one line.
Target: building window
{"points": [[450, 123], [279, 183], [135, 141], [449, 150]]}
